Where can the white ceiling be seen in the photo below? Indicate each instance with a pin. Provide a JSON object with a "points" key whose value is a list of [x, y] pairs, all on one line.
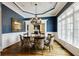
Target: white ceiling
{"points": [[30, 7], [41, 7]]}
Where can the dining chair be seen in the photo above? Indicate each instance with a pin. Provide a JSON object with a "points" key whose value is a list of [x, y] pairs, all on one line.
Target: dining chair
{"points": [[21, 39], [28, 43], [49, 41]]}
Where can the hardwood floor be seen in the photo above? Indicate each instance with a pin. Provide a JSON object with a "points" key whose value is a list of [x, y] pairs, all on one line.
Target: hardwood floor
{"points": [[16, 50]]}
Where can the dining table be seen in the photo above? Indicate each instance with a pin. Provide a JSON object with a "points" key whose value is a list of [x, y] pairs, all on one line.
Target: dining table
{"points": [[36, 40]]}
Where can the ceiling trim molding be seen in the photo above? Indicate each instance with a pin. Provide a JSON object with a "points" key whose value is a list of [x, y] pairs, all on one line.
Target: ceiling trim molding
{"points": [[64, 8], [22, 9], [38, 13]]}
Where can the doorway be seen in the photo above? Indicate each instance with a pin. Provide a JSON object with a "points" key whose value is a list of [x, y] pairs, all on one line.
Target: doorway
{"points": [[43, 26]]}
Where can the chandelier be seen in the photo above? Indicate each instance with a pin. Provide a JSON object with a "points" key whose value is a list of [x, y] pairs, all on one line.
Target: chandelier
{"points": [[36, 20]]}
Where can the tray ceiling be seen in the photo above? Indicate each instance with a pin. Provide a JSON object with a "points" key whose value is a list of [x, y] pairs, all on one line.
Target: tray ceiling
{"points": [[20, 7], [31, 8]]}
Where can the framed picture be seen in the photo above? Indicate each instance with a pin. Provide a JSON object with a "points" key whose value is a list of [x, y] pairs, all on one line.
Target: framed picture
{"points": [[16, 25]]}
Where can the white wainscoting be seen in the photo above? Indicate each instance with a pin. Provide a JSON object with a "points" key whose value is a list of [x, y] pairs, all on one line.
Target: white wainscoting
{"points": [[69, 47], [10, 38]]}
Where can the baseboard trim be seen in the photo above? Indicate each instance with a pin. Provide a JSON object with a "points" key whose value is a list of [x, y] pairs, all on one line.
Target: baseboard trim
{"points": [[65, 48], [9, 46]]}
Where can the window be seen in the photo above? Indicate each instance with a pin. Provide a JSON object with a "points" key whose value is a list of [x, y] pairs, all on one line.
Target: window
{"points": [[76, 25], [69, 29], [68, 25], [59, 30]]}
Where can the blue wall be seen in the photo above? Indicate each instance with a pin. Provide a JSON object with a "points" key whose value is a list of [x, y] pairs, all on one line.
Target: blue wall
{"points": [[51, 23], [7, 14]]}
